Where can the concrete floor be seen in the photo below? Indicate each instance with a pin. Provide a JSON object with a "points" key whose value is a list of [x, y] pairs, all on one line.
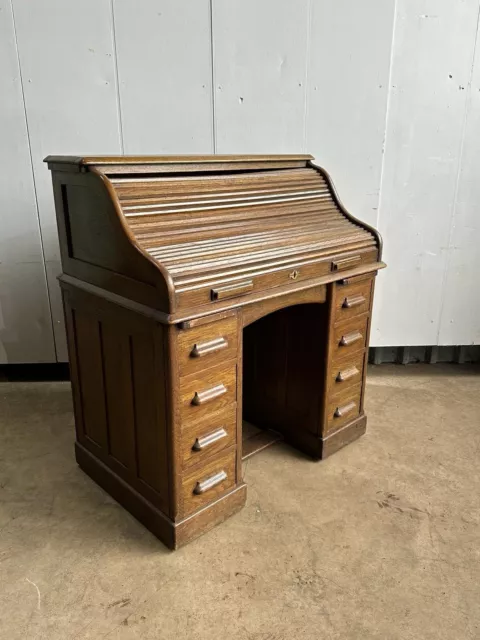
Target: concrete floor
{"points": [[382, 540]]}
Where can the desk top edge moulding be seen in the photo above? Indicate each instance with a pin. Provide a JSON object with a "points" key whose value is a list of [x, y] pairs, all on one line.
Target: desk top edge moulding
{"points": [[213, 305]]}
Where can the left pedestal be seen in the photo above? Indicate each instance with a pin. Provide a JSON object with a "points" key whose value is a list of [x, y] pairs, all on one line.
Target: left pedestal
{"points": [[156, 426]]}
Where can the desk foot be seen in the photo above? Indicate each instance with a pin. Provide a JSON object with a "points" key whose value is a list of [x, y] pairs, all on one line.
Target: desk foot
{"points": [[343, 436], [172, 534], [321, 448]]}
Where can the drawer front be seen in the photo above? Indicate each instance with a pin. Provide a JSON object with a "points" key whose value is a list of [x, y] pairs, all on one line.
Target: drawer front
{"points": [[349, 336], [203, 291], [207, 482], [201, 440], [207, 391], [344, 408], [346, 372], [207, 345], [352, 299]]}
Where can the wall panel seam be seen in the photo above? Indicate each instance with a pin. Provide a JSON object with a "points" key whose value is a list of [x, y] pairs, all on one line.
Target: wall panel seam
{"points": [[117, 79], [387, 115], [213, 80], [457, 182], [34, 183], [307, 69]]}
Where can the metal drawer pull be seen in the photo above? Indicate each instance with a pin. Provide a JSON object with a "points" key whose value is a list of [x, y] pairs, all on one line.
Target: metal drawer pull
{"points": [[202, 348], [201, 397], [211, 438], [343, 411], [231, 290], [346, 374], [350, 338], [345, 263], [353, 301], [209, 483]]}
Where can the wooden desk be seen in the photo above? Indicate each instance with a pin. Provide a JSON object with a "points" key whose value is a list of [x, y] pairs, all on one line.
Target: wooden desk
{"points": [[203, 294]]}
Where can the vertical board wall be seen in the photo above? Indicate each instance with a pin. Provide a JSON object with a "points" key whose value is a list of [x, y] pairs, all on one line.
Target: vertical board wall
{"points": [[385, 94]]}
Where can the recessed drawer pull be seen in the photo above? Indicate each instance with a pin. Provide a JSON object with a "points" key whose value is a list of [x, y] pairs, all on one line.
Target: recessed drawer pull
{"points": [[211, 438], [203, 348], [231, 290], [343, 411], [353, 301], [345, 263], [350, 338], [209, 483], [201, 397], [346, 374]]}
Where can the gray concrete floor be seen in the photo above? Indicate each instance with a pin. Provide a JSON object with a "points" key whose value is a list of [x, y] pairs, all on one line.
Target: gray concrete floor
{"points": [[382, 540]]}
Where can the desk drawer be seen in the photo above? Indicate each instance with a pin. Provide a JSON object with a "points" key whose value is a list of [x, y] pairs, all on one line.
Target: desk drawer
{"points": [[349, 336], [225, 286], [352, 299], [201, 440], [207, 345], [346, 372], [206, 482], [344, 408], [206, 392]]}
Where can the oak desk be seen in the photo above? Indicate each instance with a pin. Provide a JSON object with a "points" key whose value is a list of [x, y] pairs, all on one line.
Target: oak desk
{"points": [[204, 295]]}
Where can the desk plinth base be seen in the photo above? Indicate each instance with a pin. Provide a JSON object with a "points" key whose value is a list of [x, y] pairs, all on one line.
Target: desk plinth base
{"points": [[321, 448], [172, 534]]}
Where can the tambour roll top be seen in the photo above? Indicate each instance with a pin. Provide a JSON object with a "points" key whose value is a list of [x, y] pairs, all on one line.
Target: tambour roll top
{"points": [[219, 229]]}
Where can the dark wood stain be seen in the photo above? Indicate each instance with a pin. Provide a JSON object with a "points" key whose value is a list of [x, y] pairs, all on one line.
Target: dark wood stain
{"points": [[199, 292]]}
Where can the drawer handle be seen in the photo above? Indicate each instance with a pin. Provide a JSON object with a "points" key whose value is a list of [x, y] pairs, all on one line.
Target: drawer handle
{"points": [[231, 290], [350, 338], [353, 301], [346, 374], [201, 397], [209, 483], [203, 348], [345, 263], [210, 438], [345, 410]]}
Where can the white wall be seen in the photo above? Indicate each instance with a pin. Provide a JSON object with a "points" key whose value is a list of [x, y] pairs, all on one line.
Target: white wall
{"points": [[365, 87]]}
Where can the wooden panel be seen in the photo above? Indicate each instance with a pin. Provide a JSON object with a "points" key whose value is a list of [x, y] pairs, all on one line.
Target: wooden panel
{"points": [[349, 336], [346, 372], [117, 354], [224, 463], [348, 81], [343, 408], [431, 70], [460, 314], [164, 63], [283, 369], [25, 325], [208, 391], [203, 439], [91, 383], [148, 370], [352, 299], [67, 60], [207, 345], [260, 69]]}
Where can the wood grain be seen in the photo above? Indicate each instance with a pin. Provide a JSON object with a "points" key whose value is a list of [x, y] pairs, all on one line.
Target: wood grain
{"points": [[200, 292]]}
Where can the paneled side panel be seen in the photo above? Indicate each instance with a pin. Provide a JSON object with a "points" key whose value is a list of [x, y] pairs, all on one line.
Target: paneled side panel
{"points": [[424, 132], [88, 342], [348, 71], [460, 320], [116, 348], [164, 68], [150, 410], [67, 61], [25, 325], [259, 70]]}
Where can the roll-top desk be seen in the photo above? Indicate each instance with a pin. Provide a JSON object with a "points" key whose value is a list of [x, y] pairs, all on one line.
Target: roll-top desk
{"points": [[204, 295]]}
